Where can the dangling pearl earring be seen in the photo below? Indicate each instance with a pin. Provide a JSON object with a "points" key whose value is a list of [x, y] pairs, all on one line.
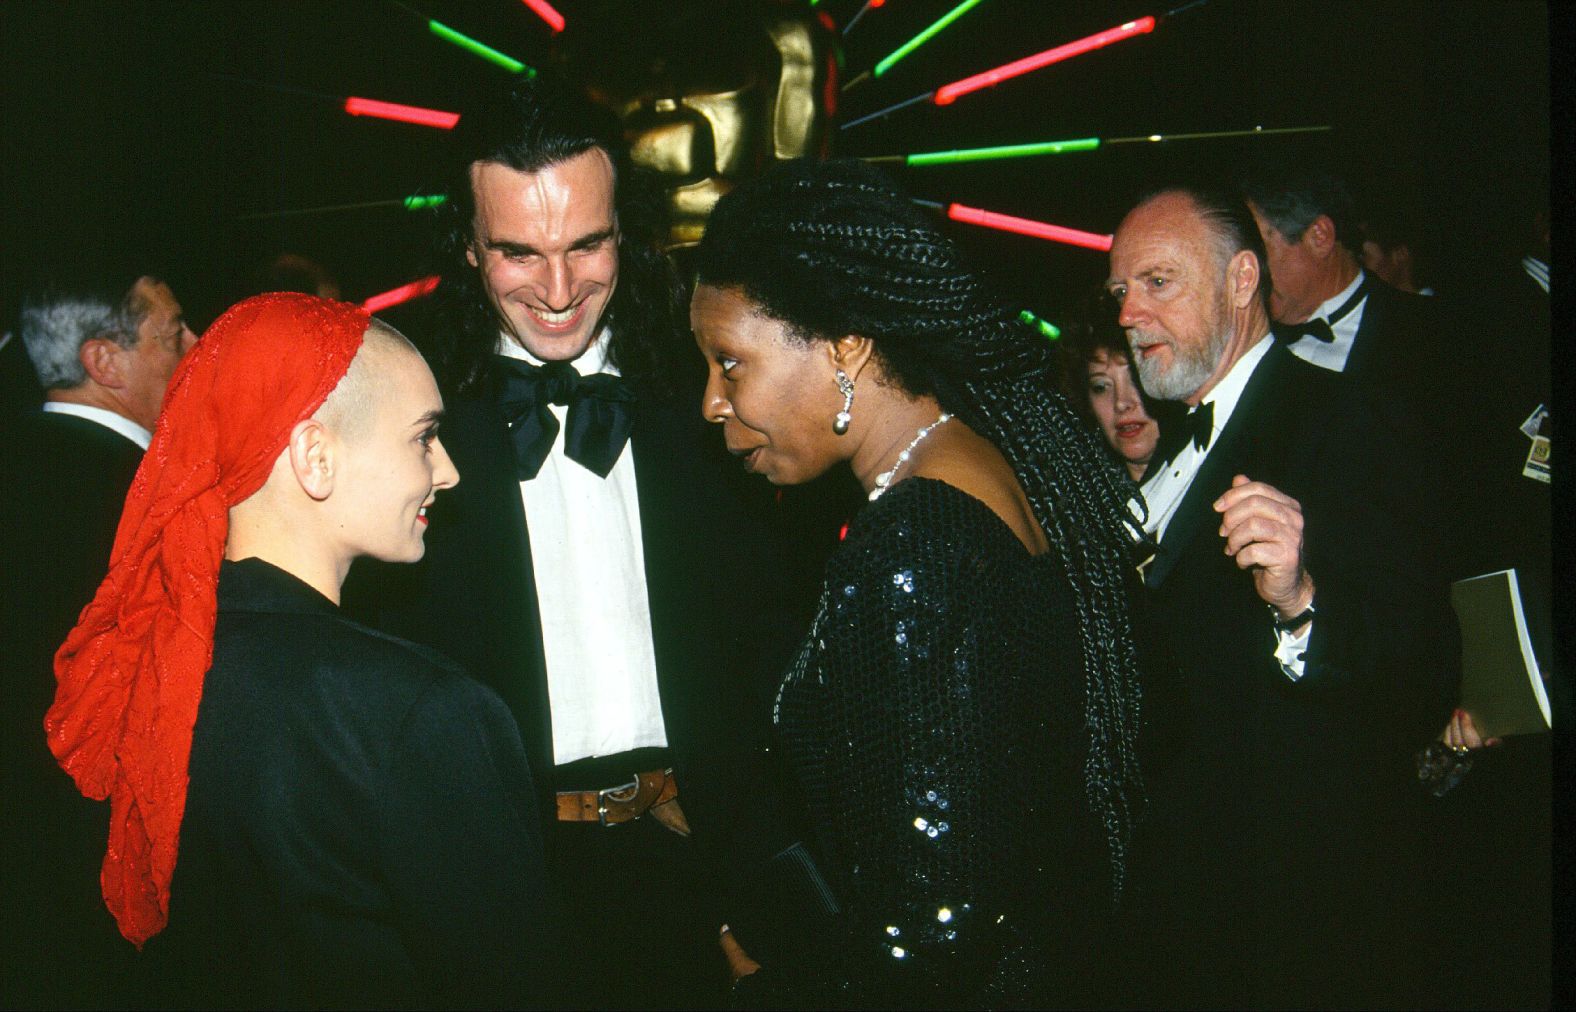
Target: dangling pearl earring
{"points": [[846, 385]]}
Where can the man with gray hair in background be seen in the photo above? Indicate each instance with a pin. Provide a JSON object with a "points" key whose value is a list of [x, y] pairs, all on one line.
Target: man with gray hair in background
{"points": [[103, 353]]}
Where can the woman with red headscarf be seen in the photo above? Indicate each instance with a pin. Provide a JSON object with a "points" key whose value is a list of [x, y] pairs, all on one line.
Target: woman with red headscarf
{"points": [[352, 816]]}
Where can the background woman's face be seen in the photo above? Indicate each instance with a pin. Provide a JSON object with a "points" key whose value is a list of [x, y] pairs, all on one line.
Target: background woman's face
{"points": [[1120, 410], [774, 395]]}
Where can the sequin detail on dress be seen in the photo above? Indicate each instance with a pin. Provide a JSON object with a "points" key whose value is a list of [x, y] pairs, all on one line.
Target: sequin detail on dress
{"points": [[934, 716]]}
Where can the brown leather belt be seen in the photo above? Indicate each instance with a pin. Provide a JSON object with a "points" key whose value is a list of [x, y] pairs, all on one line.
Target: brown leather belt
{"points": [[619, 804]]}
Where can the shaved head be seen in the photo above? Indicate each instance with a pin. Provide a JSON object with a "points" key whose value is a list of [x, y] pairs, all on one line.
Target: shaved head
{"points": [[351, 407]]}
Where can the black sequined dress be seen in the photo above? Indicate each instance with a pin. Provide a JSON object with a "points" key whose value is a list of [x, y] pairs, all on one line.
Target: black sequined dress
{"points": [[935, 718]]}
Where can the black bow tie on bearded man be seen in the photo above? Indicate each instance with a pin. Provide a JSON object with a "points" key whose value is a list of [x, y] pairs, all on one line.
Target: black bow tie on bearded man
{"points": [[1321, 328], [1197, 427], [597, 426]]}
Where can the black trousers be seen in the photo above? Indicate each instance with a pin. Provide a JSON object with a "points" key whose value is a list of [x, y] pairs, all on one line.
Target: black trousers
{"points": [[636, 927]]}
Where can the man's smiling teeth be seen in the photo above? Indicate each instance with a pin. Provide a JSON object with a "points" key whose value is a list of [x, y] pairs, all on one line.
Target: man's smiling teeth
{"points": [[547, 317]]}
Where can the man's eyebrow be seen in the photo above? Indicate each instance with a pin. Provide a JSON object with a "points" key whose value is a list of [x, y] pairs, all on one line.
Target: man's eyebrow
{"points": [[525, 249], [1147, 272], [429, 420], [505, 246], [593, 238]]}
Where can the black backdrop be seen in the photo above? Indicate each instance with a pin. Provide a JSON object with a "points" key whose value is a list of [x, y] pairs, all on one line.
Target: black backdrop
{"points": [[118, 136]]}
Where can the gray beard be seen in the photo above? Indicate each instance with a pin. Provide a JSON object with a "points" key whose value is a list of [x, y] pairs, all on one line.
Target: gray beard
{"points": [[1189, 369]]}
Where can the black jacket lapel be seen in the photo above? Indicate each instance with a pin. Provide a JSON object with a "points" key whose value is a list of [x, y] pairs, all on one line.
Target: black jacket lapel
{"points": [[1226, 458]]}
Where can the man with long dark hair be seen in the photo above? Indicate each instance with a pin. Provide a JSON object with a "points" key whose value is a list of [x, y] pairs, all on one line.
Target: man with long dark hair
{"points": [[583, 568]]}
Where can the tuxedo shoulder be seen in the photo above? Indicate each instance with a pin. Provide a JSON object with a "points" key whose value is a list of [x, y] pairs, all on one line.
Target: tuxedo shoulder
{"points": [[63, 433]]}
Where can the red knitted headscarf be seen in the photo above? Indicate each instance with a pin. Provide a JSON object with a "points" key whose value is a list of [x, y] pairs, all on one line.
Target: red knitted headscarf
{"points": [[130, 674]]}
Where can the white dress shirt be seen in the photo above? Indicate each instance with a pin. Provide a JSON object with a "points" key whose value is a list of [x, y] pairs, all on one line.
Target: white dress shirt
{"points": [[1165, 490], [1332, 355], [109, 419], [590, 567]]}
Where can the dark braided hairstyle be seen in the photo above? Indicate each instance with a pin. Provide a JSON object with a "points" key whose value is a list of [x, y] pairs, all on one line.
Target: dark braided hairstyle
{"points": [[831, 248]]}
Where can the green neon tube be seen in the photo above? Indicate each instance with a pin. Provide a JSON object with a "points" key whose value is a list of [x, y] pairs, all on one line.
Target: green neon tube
{"points": [[1006, 151], [924, 36], [488, 53], [1050, 330], [418, 202]]}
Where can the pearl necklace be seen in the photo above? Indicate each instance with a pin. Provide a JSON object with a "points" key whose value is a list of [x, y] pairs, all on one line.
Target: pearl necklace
{"points": [[885, 477]]}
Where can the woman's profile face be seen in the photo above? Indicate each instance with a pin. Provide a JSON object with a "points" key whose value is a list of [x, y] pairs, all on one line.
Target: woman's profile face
{"points": [[1114, 398], [774, 395]]}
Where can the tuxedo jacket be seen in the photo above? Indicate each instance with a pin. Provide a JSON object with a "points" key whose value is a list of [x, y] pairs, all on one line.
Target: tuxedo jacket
{"points": [[1248, 765], [713, 571], [1400, 340], [63, 481]]}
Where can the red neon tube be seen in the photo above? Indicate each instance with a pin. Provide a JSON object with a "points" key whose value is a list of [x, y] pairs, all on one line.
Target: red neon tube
{"points": [[404, 113], [948, 93], [404, 293], [544, 10], [1023, 226]]}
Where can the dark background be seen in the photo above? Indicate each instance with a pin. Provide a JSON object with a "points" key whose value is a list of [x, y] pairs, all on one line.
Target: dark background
{"points": [[120, 138]]}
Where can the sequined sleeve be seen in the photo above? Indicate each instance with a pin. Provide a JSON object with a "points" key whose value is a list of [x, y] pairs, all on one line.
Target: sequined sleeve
{"points": [[929, 717]]}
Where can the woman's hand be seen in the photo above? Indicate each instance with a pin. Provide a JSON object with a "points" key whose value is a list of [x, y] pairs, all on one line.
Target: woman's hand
{"points": [[1462, 735]]}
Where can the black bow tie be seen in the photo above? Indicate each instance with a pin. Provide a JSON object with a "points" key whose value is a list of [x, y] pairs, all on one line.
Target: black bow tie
{"points": [[1322, 328], [1197, 426], [1200, 423], [598, 424]]}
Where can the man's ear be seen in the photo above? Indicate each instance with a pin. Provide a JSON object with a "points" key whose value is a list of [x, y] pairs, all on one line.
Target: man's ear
{"points": [[470, 254], [313, 455], [1320, 236], [851, 353], [100, 358], [1243, 278]]}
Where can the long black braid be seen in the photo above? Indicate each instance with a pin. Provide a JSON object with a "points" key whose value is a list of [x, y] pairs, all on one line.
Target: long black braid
{"points": [[831, 249]]}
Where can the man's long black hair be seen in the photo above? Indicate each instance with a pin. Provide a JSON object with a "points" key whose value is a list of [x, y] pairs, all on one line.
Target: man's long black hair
{"points": [[528, 126], [831, 249]]}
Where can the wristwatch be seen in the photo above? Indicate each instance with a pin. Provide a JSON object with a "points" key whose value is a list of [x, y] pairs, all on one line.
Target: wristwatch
{"points": [[1294, 623]]}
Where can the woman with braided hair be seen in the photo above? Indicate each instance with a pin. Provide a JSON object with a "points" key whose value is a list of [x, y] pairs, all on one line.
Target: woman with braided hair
{"points": [[962, 714]]}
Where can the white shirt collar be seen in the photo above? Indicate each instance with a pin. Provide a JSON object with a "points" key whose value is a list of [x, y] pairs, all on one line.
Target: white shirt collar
{"points": [[591, 361], [1228, 391], [1332, 354], [1338, 300], [109, 419], [1164, 490]]}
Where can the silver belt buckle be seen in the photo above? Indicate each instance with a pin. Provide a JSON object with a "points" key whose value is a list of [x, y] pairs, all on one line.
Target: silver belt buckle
{"points": [[633, 787]]}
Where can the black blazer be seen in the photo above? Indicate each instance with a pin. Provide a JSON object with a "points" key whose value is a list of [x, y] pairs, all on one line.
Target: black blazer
{"points": [[715, 579], [63, 481], [1279, 807], [359, 827], [1380, 673]]}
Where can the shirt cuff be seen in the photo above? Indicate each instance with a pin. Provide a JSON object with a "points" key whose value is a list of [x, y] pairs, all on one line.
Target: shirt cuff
{"points": [[1289, 650]]}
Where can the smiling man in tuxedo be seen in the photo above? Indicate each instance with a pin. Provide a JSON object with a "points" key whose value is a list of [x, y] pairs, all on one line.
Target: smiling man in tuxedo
{"points": [[1292, 658], [585, 567]]}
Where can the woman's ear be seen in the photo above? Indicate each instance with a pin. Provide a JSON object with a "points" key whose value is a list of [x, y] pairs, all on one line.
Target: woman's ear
{"points": [[313, 458], [851, 353]]}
